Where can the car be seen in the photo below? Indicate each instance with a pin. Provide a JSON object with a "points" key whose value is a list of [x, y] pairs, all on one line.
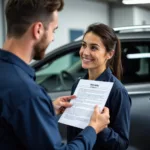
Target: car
{"points": [[61, 67]]}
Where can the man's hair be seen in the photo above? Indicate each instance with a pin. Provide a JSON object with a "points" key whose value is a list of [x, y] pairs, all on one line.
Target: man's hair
{"points": [[20, 14]]}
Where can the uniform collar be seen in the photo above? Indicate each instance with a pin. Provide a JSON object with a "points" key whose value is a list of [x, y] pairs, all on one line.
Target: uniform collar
{"points": [[13, 59], [103, 77]]}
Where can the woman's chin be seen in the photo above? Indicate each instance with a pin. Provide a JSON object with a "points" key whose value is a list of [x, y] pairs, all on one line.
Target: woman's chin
{"points": [[85, 66]]}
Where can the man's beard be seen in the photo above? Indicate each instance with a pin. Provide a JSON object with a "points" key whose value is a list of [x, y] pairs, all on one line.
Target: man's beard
{"points": [[40, 48]]}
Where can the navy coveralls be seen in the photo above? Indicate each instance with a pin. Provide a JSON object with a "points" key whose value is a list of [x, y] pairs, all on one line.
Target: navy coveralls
{"points": [[27, 117], [116, 136]]}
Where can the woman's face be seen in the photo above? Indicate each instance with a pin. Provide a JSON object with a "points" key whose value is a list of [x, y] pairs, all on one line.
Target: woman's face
{"points": [[93, 52]]}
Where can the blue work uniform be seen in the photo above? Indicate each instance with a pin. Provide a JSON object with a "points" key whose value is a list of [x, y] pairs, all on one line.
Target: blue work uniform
{"points": [[27, 117], [116, 136]]}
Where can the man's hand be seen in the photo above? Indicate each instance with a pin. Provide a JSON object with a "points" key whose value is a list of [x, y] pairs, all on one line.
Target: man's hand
{"points": [[61, 103], [98, 120]]}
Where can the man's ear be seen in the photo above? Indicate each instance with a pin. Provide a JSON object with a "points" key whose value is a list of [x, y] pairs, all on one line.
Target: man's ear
{"points": [[37, 30], [110, 54]]}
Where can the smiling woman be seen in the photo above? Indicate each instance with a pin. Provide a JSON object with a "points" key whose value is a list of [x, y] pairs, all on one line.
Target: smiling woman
{"points": [[94, 55], [100, 54]]}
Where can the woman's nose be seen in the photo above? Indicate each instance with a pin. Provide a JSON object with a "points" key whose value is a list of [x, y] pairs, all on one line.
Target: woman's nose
{"points": [[86, 51]]}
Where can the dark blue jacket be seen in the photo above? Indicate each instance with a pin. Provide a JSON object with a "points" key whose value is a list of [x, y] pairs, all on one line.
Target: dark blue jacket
{"points": [[27, 117], [116, 136]]}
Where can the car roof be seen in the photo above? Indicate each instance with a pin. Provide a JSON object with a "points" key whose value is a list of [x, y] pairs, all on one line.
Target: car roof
{"points": [[132, 28], [130, 32], [133, 32]]}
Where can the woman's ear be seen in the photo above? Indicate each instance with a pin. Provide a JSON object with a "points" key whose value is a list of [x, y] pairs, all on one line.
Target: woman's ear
{"points": [[110, 54]]}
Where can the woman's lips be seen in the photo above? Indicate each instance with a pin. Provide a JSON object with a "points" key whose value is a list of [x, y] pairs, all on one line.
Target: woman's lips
{"points": [[86, 59]]}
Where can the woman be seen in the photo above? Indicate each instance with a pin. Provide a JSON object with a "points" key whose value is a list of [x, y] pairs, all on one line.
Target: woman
{"points": [[100, 54]]}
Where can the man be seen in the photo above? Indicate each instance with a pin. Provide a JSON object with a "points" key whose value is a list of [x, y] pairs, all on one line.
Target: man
{"points": [[28, 116]]}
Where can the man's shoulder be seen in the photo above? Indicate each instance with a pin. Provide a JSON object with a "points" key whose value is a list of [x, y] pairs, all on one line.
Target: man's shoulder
{"points": [[16, 87]]}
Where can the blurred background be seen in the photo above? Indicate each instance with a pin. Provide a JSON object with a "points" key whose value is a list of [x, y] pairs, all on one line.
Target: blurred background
{"points": [[78, 14]]}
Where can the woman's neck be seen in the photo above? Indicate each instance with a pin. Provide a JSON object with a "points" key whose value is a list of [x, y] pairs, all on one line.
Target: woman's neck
{"points": [[93, 74]]}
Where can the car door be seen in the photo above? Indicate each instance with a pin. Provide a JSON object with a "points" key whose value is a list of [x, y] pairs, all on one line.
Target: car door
{"points": [[136, 78]]}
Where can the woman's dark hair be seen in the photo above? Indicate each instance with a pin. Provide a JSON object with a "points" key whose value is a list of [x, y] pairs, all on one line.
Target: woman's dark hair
{"points": [[111, 42], [20, 14]]}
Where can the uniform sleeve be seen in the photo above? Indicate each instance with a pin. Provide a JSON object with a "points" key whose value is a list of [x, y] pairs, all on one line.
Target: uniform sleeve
{"points": [[116, 137], [36, 127]]}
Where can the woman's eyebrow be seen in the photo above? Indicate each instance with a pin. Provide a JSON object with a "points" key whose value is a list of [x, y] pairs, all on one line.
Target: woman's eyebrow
{"points": [[93, 44]]}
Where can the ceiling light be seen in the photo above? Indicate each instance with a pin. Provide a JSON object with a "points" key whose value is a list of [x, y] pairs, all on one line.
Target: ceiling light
{"points": [[128, 2]]}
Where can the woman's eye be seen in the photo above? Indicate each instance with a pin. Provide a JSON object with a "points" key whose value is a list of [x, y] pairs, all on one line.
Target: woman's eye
{"points": [[83, 45], [93, 48]]}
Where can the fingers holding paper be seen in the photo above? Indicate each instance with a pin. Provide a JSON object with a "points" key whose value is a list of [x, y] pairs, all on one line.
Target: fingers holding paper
{"points": [[61, 103], [98, 120]]}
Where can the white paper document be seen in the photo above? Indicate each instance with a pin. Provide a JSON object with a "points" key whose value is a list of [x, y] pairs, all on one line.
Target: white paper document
{"points": [[89, 93]]}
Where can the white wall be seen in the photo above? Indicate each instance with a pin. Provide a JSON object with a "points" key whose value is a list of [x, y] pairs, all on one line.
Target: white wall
{"points": [[141, 16], [78, 14], [121, 16], [128, 15], [2, 32]]}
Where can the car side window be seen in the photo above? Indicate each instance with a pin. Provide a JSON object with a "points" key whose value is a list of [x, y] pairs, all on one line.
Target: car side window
{"points": [[136, 62], [61, 73]]}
